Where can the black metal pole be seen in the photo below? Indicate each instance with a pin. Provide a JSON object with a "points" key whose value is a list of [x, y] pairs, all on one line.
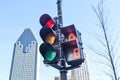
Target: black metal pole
{"points": [[59, 8], [63, 71], [63, 75]]}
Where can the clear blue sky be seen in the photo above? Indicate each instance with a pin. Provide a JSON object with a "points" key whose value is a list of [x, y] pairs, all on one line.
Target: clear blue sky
{"points": [[16, 15]]}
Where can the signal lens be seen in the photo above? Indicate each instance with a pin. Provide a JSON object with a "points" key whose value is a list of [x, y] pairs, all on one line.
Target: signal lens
{"points": [[50, 38], [71, 36], [50, 54], [50, 23]]}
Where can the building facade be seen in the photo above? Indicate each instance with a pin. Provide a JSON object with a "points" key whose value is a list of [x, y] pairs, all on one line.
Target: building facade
{"points": [[58, 78], [24, 60], [81, 73]]}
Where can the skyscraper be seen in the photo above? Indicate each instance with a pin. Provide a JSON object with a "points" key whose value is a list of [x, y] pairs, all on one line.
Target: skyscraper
{"points": [[58, 78], [24, 60], [81, 73]]}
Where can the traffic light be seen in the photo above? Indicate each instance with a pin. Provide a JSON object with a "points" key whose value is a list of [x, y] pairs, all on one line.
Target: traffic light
{"points": [[72, 47], [46, 20], [48, 49]]}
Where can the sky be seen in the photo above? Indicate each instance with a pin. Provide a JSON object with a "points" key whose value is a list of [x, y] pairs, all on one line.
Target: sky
{"points": [[16, 15]]}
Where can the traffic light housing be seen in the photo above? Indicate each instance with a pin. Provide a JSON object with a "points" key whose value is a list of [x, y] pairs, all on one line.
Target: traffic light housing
{"points": [[48, 48], [72, 47]]}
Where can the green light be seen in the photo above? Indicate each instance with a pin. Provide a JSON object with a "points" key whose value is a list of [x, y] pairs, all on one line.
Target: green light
{"points": [[50, 54]]}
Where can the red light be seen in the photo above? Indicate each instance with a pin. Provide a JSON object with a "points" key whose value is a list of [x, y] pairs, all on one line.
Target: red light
{"points": [[50, 24], [76, 53], [71, 36]]}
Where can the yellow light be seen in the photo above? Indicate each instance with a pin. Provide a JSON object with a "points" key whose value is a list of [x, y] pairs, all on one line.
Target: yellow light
{"points": [[50, 38]]}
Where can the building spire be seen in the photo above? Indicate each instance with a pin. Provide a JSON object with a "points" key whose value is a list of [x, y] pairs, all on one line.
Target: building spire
{"points": [[26, 38]]}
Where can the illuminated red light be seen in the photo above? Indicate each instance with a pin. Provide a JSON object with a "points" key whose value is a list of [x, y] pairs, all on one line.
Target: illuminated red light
{"points": [[71, 36], [50, 24], [76, 53]]}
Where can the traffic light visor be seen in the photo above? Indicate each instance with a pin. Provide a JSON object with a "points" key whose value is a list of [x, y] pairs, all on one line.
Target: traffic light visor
{"points": [[46, 20], [69, 32]]}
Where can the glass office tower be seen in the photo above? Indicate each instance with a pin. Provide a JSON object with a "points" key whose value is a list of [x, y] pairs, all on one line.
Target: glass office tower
{"points": [[24, 60]]}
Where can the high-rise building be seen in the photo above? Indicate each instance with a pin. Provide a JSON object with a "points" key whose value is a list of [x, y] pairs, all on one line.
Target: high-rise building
{"points": [[24, 60], [58, 78], [81, 73]]}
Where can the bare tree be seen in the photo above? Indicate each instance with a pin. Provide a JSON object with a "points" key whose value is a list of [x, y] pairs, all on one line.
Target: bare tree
{"points": [[110, 45]]}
